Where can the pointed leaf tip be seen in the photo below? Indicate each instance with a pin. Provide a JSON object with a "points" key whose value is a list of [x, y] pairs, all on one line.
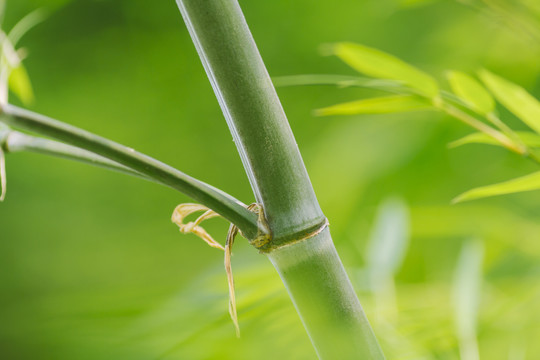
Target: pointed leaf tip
{"points": [[379, 105], [528, 138], [378, 64], [525, 183], [514, 97]]}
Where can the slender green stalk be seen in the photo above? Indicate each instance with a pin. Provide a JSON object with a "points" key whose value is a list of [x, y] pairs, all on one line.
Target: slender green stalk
{"points": [[222, 203], [301, 248], [482, 127], [390, 86], [17, 142]]}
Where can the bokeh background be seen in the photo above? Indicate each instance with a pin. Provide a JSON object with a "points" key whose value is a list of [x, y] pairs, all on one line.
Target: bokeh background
{"points": [[92, 268]]}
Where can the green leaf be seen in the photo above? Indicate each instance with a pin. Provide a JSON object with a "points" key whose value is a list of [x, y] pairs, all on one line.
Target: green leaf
{"points": [[514, 98], [521, 184], [389, 239], [19, 83], [530, 139], [467, 292], [380, 105], [471, 92], [376, 63]]}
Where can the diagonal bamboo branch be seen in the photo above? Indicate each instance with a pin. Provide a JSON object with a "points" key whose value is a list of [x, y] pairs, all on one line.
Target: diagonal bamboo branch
{"points": [[219, 201]]}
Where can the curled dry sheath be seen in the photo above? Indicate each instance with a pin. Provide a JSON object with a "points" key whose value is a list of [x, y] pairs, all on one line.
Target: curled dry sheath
{"points": [[184, 210]]}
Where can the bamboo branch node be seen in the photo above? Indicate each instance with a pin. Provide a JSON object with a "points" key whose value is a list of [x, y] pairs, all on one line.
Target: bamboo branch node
{"points": [[264, 235], [297, 239]]}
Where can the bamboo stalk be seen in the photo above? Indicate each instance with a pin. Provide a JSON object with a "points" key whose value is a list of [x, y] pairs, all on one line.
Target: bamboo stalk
{"points": [[301, 248], [255, 117], [325, 299]]}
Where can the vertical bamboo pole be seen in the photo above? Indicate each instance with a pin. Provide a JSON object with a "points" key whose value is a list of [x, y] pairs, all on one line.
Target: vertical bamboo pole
{"points": [[301, 248]]}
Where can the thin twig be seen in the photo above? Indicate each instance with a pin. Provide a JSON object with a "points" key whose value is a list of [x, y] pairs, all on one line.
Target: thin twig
{"points": [[17, 142]]}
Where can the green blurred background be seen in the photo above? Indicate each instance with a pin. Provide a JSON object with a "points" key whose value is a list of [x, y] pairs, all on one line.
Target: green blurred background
{"points": [[92, 268]]}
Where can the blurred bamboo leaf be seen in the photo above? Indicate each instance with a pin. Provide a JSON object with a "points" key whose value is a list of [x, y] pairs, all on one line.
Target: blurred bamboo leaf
{"points": [[16, 75], [467, 293], [521, 184], [376, 63], [379, 105], [390, 237], [19, 84], [471, 92], [514, 98], [530, 139]]}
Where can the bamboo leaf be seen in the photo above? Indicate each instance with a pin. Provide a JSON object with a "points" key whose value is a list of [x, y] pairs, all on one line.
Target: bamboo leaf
{"points": [[530, 139], [521, 184], [514, 98], [376, 63], [467, 292], [471, 92], [390, 238], [19, 83], [379, 105]]}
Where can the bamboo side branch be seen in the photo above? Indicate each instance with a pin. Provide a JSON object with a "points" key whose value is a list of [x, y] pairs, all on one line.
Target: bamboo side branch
{"points": [[215, 199]]}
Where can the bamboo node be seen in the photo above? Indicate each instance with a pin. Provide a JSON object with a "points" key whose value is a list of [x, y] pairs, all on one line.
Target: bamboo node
{"points": [[301, 238]]}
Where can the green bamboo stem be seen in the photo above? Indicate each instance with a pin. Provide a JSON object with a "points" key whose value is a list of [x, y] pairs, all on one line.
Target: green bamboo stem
{"points": [[18, 142], [303, 255], [215, 199], [316, 280]]}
